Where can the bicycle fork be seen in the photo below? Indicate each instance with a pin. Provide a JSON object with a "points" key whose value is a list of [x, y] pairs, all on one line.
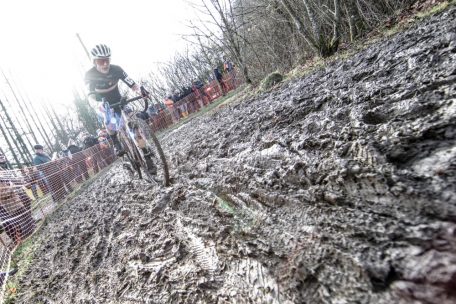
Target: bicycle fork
{"points": [[135, 134]]}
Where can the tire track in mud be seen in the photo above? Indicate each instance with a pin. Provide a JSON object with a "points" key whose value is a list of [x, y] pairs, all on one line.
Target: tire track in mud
{"points": [[114, 252], [242, 280], [205, 254]]}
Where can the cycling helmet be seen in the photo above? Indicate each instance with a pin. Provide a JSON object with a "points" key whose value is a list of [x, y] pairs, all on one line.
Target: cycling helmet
{"points": [[101, 51]]}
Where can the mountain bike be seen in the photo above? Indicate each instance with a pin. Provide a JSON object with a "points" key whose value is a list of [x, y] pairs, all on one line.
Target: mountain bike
{"points": [[138, 139]]}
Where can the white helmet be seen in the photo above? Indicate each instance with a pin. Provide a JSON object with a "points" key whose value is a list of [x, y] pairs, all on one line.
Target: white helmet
{"points": [[101, 51]]}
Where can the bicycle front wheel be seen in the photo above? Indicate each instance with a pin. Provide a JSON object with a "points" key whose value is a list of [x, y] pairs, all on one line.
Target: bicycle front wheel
{"points": [[131, 153], [156, 152]]}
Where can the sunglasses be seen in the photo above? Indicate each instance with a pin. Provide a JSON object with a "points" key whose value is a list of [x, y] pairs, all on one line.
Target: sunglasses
{"points": [[102, 61]]}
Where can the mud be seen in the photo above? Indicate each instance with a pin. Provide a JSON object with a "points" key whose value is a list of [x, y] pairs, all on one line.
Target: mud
{"points": [[335, 188]]}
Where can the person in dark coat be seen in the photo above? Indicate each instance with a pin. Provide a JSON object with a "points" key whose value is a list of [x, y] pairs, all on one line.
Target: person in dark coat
{"points": [[50, 173], [40, 157], [39, 160], [77, 161], [218, 75]]}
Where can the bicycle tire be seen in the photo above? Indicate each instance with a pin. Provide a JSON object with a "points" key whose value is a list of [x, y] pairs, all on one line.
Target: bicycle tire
{"points": [[158, 155], [132, 157]]}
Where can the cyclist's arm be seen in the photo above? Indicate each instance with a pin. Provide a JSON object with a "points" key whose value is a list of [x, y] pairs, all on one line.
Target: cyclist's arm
{"points": [[94, 100], [131, 83], [92, 97], [90, 86], [128, 81]]}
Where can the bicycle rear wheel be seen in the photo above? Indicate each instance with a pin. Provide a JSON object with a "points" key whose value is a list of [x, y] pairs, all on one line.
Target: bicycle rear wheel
{"points": [[157, 154]]}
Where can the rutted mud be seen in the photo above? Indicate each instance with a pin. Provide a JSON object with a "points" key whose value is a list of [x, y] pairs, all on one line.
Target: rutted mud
{"points": [[336, 188]]}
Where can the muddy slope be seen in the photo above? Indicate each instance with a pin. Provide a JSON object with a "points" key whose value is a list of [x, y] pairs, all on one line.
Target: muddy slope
{"points": [[336, 188]]}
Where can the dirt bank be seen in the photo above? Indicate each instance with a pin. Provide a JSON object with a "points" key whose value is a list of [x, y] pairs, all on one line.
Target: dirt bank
{"points": [[336, 188]]}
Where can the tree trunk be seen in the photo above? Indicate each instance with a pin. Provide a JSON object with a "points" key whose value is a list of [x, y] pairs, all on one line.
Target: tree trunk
{"points": [[19, 142], [24, 115], [336, 27], [352, 16], [56, 145], [63, 131], [39, 126], [229, 29], [313, 21], [299, 25], [8, 142]]}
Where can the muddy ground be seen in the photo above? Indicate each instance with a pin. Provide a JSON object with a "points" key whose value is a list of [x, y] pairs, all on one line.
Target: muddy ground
{"points": [[335, 188]]}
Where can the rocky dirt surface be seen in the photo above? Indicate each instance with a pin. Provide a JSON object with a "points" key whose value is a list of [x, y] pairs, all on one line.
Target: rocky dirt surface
{"points": [[335, 188]]}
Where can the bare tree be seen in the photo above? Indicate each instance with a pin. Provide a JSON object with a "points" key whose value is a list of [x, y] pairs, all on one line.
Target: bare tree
{"points": [[15, 136], [85, 113], [8, 142], [262, 36], [223, 19], [21, 108]]}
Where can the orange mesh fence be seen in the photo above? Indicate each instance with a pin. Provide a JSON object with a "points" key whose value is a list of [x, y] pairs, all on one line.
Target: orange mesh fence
{"points": [[29, 194], [195, 101]]}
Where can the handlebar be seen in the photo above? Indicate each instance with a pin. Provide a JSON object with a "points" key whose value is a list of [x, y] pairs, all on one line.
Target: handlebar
{"points": [[123, 103], [146, 101]]}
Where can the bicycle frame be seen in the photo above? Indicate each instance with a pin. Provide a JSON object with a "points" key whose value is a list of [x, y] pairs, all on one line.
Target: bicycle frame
{"points": [[113, 121], [135, 137], [129, 134], [121, 121]]}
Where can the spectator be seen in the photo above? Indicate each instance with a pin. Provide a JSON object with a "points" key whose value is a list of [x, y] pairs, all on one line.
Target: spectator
{"points": [[200, 94], [230, 78], [228, 66], [182, 109], [30, 183], [91, 147], [89, 141], [40, 157], [60, 161], [107, 154], [169, 102], [143, 115], [15, 207], [218, 75], [152, 110], [176, 96], [77, 161], [49, 174], [158, 117]]}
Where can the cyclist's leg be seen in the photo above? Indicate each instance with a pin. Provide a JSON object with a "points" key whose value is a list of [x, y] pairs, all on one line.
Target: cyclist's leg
{"points": [[111, 128], [151, 167], [114, 126]]}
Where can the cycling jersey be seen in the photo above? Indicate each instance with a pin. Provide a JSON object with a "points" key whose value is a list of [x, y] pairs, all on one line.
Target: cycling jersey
{"points": [[101, 83]]}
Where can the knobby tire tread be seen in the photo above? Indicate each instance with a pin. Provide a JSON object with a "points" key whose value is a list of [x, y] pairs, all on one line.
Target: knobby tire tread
{"points": [[151, 138]]}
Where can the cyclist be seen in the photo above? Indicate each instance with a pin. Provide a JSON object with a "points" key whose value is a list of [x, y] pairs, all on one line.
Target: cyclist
{"points": [[103, 79]]}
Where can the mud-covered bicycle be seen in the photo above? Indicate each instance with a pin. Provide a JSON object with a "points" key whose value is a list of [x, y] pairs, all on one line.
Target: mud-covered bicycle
{"points": [[138, 139]]}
